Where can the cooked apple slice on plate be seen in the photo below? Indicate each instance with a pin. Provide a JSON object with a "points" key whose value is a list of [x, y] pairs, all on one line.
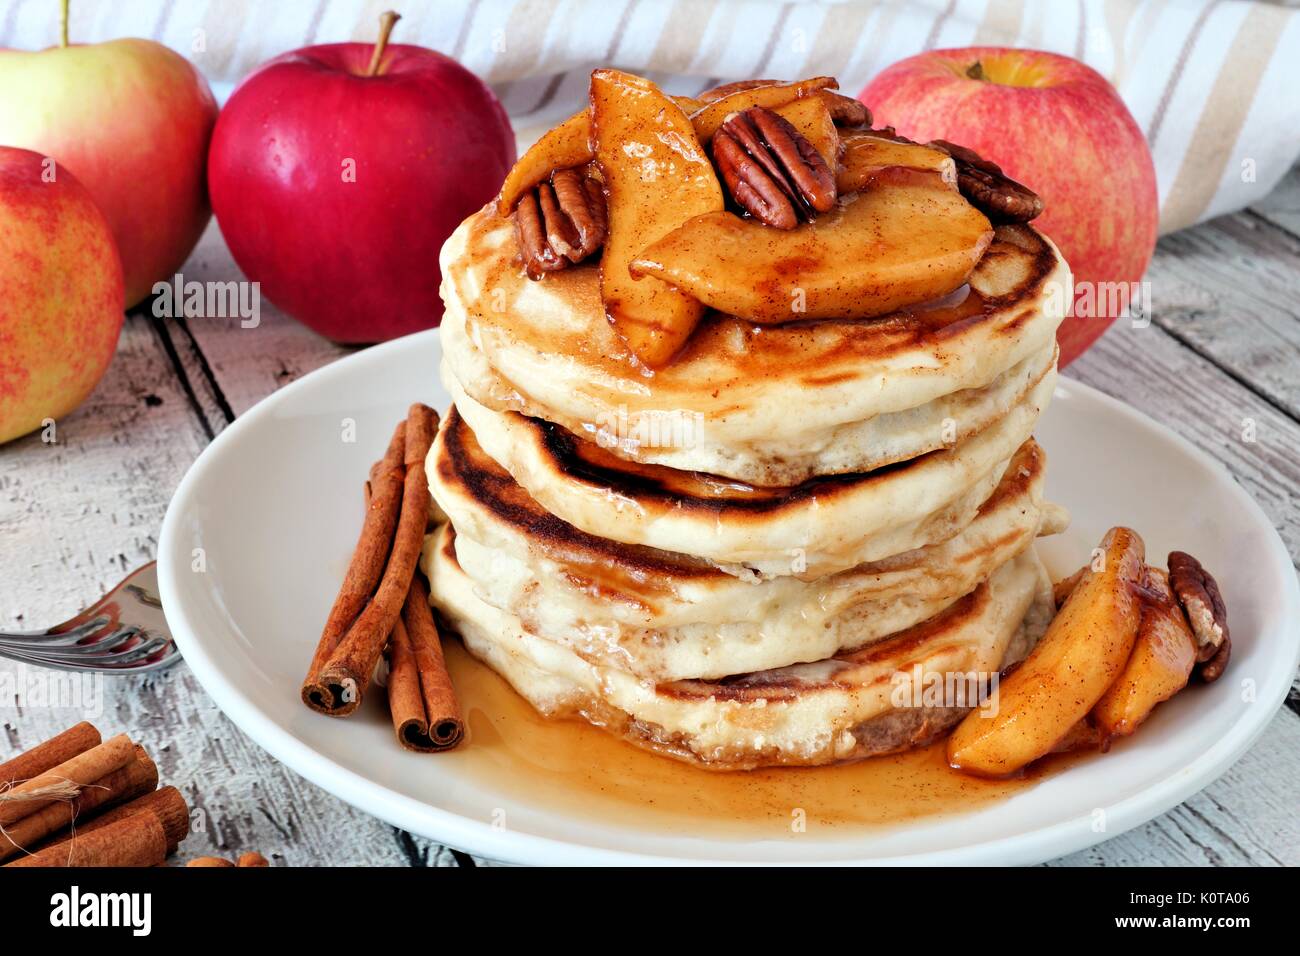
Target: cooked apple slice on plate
{"points": [[865, 154], [899, 242], [565, 146], [708, 118], [1085, 649], [1159, 666], [657, 176]]}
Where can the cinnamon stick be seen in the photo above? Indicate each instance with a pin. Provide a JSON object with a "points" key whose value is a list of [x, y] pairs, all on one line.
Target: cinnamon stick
{"points": [[38, 792], [383, 502], [43, 757], [426, 713], [166, 804], [136, 840], [139, 776], [347, 673]]}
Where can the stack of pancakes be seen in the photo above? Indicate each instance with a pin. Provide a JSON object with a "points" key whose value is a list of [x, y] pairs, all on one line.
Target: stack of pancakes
{"points": [[733, 558]]}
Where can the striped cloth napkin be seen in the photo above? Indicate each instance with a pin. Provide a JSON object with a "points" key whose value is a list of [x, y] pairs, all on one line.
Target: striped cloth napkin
{"points": [[1215, 84]]}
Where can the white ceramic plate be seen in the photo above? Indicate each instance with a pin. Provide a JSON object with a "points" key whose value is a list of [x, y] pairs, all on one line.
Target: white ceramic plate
{"points": [[273, 504]]}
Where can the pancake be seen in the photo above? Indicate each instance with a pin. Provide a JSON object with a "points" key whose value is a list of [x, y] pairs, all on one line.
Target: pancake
{"points": [[818, 527], [768, 405], [665, 616], [678, 442], [841, 708]]}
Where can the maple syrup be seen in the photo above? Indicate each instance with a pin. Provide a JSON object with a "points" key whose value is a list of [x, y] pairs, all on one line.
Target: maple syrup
{"points": [[570, 765]]}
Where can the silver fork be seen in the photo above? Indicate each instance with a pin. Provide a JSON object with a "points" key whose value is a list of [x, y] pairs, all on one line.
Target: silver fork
{"points": [[124, 631]]}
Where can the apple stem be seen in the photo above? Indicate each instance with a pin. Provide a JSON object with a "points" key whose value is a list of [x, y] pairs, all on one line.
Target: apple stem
{"points": [[976, 71], [63, 23], [386, 22]]}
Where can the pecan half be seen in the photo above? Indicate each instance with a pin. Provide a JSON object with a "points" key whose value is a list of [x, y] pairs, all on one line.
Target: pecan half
{"points": [[771, 169], [989, 189], [560, 222], [845, 110], [1206, 612]]}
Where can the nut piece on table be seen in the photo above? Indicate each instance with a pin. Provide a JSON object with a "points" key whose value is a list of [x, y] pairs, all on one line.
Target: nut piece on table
{"points": [[1158, 667], [893, 245], [560, 222], [771, 169], [657, 176], [1201, 599], [989, 189], [1085, 648]]}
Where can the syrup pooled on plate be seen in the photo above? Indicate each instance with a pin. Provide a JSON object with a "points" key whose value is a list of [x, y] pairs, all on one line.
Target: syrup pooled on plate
{"points": [[569, 765]]}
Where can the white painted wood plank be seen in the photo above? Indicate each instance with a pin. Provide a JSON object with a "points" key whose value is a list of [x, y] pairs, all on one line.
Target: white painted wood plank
{"points": [[1246, 817], [1231, 290], [1282, 205], [251, 363], [75, 517]]}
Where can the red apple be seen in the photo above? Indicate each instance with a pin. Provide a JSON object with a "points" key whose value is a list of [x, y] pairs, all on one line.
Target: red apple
{"points": [[338, 171], [132, 120], [60, 292], [1060, 128]]}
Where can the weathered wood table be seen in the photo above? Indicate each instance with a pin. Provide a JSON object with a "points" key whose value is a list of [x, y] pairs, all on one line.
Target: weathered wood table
{"points": [[75, 516]]}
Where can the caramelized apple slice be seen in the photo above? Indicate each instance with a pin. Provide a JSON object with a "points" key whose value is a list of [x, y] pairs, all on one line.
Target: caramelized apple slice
{"points": [[1084, 650], [568, 144], [865, 154], [657, 176], [707, 119], [896, 244], [1158, 668]]}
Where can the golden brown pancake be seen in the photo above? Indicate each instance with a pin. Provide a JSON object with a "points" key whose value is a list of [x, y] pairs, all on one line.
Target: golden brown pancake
{"points": [[848, 706], [817, 527], [767, 405], [667, 616]]}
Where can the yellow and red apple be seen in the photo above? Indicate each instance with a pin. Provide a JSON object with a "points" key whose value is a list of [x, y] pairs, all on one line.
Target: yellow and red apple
{"points": [[131, 119], [338, 171], [60, 292], [1060, 128]]}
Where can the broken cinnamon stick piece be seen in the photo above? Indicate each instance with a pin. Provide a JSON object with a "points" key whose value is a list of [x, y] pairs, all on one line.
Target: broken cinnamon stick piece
{"points": [[64, 781], [347, 673], [383, 502], [58, 749], [136, 840], [426, 713], [139, 776], [166, 804]]}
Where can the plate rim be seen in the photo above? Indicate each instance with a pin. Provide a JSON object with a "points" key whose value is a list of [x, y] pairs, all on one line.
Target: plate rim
{"points": [[482, 839]]}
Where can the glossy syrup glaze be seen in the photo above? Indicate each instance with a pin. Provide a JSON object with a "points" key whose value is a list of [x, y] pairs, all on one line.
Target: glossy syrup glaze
{"points": [[573, 767]]}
